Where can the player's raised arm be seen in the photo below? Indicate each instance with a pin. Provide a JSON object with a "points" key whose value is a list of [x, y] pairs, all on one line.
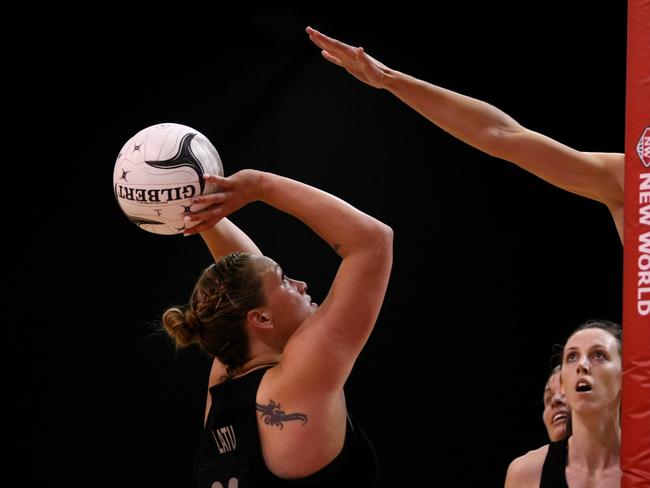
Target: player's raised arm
{"points": [[594, 175]]}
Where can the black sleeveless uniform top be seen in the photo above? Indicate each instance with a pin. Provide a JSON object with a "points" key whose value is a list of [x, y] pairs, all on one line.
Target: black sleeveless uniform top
{"points": [[553, 475], [230, 452]]}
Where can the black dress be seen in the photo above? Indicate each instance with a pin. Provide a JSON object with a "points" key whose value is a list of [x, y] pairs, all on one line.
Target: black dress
{"points": [[553, 471], [230, 454]]}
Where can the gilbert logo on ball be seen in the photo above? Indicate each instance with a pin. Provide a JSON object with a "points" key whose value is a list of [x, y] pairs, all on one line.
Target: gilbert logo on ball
{"points": [[158, 172]]}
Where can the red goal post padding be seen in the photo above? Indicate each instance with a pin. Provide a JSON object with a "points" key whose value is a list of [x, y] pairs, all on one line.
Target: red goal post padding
{"points": [[635, 413]]}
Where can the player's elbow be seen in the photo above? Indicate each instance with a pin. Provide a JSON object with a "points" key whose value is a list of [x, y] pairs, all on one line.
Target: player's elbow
{"points": [[377, 245], [384, 239], [373, 239], [387, 233]]}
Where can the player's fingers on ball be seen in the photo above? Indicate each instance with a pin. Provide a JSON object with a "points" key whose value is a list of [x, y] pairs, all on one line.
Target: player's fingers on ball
{"points": [[214, 178]]}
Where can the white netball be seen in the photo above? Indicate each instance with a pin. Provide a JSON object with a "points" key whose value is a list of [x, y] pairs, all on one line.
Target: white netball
{"points": [[158, 172]]}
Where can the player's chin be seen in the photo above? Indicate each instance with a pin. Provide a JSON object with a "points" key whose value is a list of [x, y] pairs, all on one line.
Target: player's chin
{"points": [[558, 432]]}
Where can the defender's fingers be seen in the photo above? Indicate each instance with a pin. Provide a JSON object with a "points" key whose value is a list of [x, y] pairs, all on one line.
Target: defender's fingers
{"points": [[331, 43], [332, 59]]}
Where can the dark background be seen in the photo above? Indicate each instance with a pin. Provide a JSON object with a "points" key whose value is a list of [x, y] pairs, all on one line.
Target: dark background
{"points": [[493, 267]]}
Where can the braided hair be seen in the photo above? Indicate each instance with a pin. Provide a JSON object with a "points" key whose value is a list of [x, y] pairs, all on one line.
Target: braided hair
{"points": [[215, 316]]}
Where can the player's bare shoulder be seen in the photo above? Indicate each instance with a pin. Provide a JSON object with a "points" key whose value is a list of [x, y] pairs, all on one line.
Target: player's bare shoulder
{"points": [[526, 471]]}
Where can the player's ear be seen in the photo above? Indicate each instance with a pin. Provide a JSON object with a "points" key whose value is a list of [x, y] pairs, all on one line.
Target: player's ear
{"points": [[259, 318]]}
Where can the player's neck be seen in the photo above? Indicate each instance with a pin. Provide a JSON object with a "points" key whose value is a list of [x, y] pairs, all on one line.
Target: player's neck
{"points": [[257, 363]]}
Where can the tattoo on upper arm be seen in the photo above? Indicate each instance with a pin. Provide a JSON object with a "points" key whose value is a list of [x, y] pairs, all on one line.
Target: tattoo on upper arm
{"points": [[272, 414]]}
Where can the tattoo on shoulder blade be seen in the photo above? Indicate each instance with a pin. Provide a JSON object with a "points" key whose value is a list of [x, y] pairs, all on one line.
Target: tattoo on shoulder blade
{"points": [[272, 414], [336, 247]]}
